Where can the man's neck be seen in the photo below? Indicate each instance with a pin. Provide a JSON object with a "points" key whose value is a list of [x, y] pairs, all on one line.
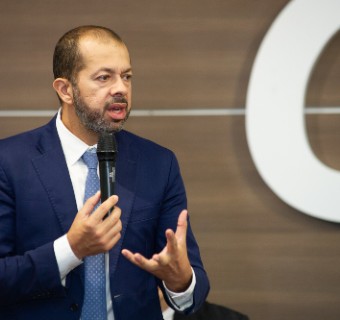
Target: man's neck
{"points": [[72, 123]]}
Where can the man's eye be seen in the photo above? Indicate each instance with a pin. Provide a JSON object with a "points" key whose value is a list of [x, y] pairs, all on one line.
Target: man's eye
{"points": [[103, 77], [126, 77]]}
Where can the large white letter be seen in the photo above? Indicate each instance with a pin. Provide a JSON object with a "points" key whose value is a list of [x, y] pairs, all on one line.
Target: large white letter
{"points": [[275, 121]]}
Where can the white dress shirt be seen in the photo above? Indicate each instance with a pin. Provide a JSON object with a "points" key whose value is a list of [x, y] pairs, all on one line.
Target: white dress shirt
{"points": [[168, 314], [73, 149]]}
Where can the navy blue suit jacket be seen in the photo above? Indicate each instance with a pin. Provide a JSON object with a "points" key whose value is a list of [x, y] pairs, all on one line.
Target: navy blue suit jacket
{"points": [[37, 206]]}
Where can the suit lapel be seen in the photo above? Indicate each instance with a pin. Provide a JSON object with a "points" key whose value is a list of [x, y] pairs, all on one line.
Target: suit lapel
{"points": [[52, 170], [53, 173], [126, 169]]}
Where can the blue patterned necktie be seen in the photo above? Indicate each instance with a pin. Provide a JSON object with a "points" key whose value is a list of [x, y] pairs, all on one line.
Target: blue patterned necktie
{"points": [[94, 306]]}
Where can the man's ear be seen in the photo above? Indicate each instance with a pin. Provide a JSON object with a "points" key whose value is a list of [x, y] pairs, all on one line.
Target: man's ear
{"points": [[64, 90]]}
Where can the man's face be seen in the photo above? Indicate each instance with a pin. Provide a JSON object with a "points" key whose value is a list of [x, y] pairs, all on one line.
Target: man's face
{"points": [[102, 94]]}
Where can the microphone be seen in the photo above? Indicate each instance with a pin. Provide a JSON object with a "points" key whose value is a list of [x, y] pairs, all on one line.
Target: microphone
{"points": [[106, 153]]}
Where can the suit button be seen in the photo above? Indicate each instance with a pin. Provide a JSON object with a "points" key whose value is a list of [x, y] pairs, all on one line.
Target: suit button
{"points": [[74, 307]]}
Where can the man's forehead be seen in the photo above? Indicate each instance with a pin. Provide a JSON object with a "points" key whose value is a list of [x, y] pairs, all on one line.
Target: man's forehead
{"points": [[88, 42], [92, 49]]}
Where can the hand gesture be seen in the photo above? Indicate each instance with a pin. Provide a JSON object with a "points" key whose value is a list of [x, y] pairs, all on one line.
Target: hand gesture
{"points": [[172, 264], [90, 234]]}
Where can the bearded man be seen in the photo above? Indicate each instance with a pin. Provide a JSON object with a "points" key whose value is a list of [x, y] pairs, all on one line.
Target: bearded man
{"points": [[59, 257]]}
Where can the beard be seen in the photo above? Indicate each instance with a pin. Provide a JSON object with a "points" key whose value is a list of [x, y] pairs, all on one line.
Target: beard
{"points": [[94, 119]]}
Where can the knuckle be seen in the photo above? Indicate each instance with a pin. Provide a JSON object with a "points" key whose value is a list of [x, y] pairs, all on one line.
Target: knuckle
{"points": [[114, 218], [98, 235], [102, 243], [116, 238], [117, 211], [88, 227]]}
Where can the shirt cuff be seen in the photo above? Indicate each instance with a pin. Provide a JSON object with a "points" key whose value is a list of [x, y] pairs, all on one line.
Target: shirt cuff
{"points": [[182, 300], [66, 259]]}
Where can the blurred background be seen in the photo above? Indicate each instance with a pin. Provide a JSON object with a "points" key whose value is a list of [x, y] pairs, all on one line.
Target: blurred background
{"points": [[264, 258]]}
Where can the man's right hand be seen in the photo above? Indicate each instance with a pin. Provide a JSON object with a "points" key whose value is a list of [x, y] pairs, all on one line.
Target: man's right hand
{"points": [[90, 234]]}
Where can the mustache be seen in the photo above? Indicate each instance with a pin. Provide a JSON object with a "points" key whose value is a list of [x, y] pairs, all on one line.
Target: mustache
{"points": [[119, 100]]}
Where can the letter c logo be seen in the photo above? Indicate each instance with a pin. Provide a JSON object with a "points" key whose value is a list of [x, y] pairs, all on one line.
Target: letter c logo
{"points": [[275, 123]]}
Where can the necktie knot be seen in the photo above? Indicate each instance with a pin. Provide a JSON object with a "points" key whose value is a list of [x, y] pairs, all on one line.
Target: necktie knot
{"points": [[90, 158]]}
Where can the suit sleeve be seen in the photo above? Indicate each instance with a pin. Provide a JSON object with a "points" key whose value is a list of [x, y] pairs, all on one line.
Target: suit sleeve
{"points": [[174, 202], [29, 275]]}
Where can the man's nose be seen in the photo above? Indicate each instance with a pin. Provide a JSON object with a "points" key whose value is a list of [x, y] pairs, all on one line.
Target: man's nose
{"points": [[119, 87]]}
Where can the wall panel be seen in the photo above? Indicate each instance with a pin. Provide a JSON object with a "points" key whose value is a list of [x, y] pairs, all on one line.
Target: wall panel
{"points": [[263, 257]]}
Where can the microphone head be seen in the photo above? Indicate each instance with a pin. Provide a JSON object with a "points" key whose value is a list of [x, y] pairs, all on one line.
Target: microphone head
{"points": [[107, 142], [107, 147]]}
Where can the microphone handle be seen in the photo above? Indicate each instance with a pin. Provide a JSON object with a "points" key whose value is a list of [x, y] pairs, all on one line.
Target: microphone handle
{"points": [[107, 175]]}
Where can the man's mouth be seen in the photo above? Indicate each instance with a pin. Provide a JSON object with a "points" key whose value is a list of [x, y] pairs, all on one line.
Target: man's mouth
{"points": [[117, 111]]}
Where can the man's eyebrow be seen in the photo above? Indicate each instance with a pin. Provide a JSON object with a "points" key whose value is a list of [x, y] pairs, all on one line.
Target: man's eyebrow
{"points": [[127, 70], [110, 70]]}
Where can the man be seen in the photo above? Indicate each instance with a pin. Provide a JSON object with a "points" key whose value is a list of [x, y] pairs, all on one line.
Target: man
{"points": [[48, 234], [208, 311]]}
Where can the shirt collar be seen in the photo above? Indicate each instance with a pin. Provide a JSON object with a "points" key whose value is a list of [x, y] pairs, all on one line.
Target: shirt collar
{"points": [[73, 147]]}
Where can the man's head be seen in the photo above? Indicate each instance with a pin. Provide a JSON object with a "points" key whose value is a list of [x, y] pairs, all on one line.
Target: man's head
{"points": [[67, 58], [92, 72]]}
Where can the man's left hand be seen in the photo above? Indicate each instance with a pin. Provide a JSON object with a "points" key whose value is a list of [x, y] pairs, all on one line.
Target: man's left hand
{"points": [[172, 264]]}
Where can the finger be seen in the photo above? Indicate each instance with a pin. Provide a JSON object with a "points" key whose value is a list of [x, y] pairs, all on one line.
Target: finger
{"points": [[182, 225], [171, 241], [110, 228], [115, 214], [112, 219], [140, 261], [113, 241], [132, 257], [90, 204], [127, 254], [104, 208]]}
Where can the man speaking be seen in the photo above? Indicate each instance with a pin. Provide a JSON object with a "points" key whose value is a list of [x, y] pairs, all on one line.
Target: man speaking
{"points": [[61, 255]]}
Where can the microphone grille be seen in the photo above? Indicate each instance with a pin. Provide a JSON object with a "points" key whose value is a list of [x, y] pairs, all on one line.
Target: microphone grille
{"points": [[107, 142]]}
